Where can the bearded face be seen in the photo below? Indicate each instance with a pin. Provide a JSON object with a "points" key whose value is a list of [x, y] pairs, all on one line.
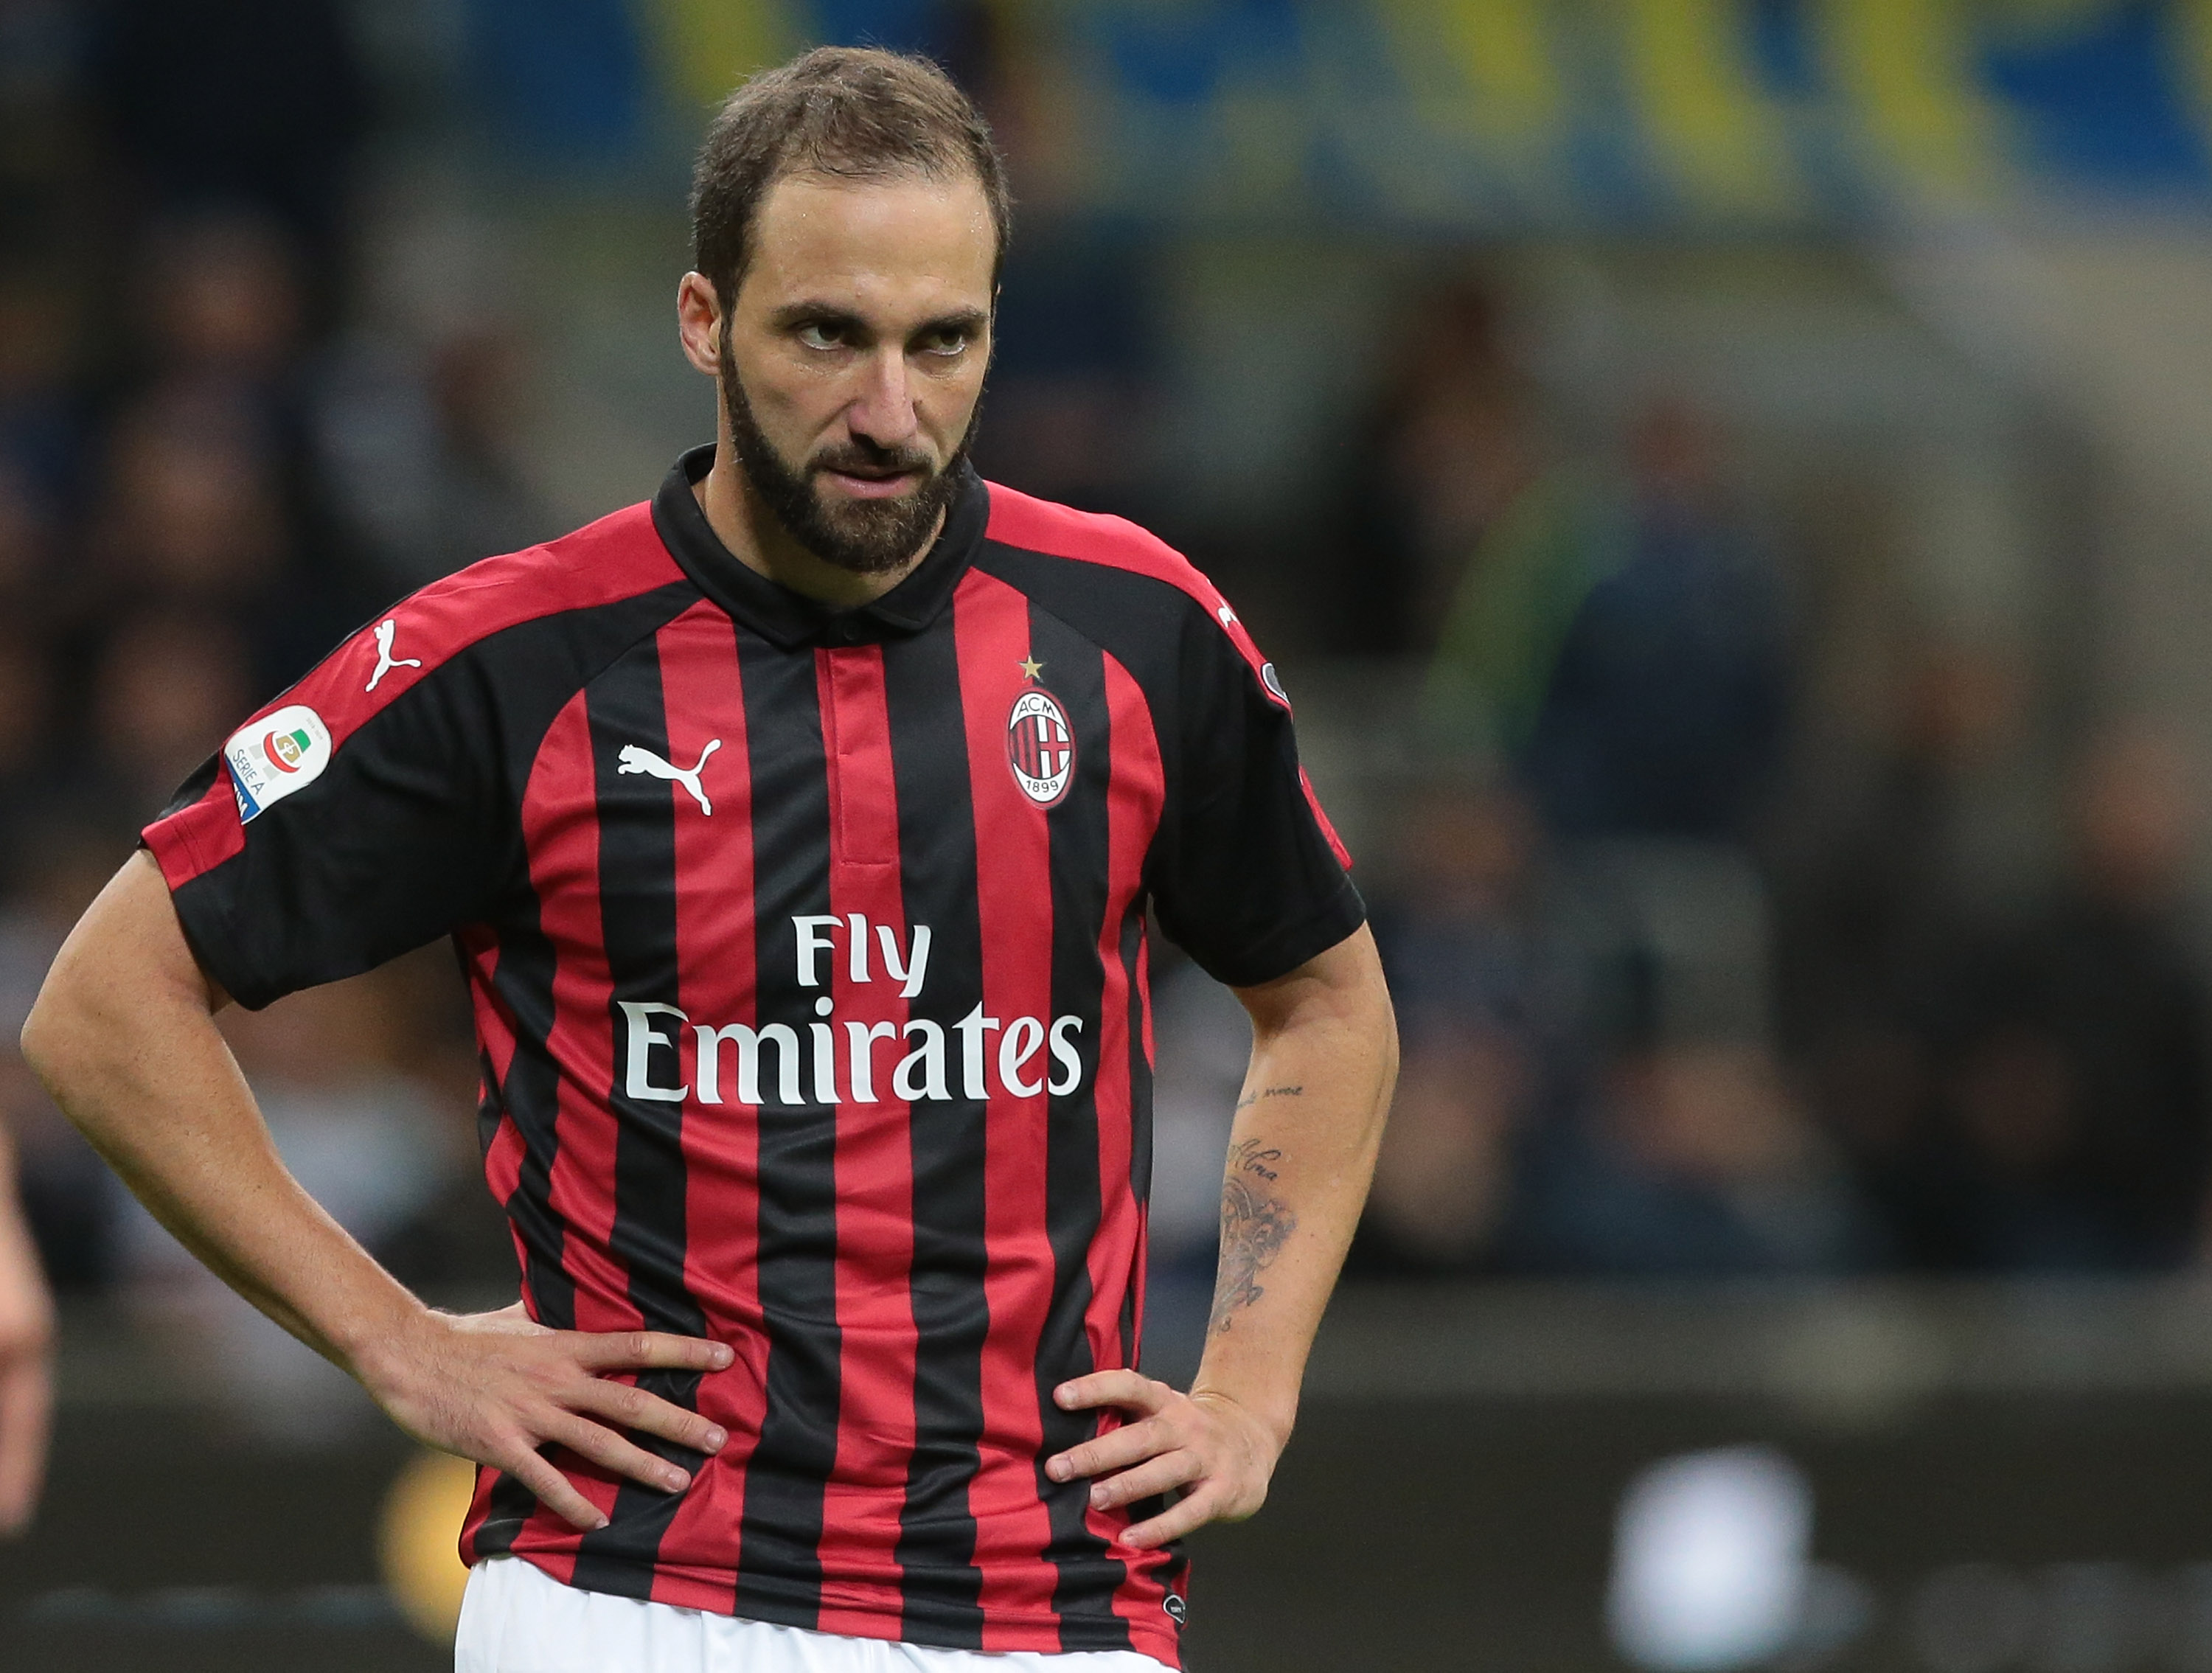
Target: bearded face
{"points": [[866, 537]]}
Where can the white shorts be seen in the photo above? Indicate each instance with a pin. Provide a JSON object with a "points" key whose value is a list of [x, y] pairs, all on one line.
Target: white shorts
{"points": [[517, 1619]]}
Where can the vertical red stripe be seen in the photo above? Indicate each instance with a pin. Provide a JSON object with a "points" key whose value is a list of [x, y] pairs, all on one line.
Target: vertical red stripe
{"points": [[1136, 787], [496, 1038], [479, 1508], [560, 822], [503, 1161], [715, 987], [1013, 887], [862, 1501]]}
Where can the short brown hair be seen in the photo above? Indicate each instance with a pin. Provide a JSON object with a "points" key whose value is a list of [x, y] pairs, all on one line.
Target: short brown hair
{"points": [[858, 113]]}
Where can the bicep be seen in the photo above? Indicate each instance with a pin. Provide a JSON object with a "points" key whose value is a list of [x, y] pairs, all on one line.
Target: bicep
{"points": [[1342, 984]]}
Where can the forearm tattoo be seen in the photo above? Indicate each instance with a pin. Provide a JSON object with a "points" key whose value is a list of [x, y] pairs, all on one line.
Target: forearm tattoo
{"points": [[1255, 1226]]}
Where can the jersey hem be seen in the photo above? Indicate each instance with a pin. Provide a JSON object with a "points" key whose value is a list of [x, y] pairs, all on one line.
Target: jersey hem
{"points": [[171, 844], [1054, 1634], [1294, 945]]}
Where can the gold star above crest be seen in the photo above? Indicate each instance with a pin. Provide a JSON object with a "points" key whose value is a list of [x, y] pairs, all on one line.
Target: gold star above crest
{"points": [[1031, 667]]}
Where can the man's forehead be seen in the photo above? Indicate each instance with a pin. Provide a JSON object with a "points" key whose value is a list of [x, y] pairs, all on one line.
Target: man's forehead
{"points": [[907, 231]]}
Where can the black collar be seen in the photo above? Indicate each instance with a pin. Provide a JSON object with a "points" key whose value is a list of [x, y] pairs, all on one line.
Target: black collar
{"points": [[788, 619]]}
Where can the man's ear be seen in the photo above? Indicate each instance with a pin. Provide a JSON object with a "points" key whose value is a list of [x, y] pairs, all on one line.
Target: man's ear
{"points": [[700, 322]]}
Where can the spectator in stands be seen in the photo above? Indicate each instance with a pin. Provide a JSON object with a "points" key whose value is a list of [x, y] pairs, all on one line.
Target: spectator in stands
{"points": [[1456, 453], [195, 519], [1685, 1159], [222, 301], [1463, 939], [2070, 1121], [193, 514], [1663, 712], [167, 689], [41, 431], [1876, 894], [260, 104], [27, 714], [418, 441]]}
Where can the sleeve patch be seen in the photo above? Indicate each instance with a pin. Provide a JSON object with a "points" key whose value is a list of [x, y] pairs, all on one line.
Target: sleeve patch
{"points": [[275, 755]]}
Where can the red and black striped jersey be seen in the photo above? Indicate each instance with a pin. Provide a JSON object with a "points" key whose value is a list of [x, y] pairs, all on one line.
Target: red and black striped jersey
{"points": [[807, 951]]}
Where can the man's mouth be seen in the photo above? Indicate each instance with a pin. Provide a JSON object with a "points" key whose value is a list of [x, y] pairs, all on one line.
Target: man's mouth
{"points": [[860, 483]]}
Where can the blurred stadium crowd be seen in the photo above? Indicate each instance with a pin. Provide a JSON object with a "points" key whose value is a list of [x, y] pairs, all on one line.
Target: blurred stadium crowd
{"points": [[1687, 987]]}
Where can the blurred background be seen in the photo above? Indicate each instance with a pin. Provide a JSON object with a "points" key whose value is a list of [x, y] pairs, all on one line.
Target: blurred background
{"points": [[1728, 483]]}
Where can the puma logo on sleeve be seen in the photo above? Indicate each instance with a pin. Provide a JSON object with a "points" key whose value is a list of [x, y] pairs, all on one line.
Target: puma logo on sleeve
{"points": [[385, 662]]}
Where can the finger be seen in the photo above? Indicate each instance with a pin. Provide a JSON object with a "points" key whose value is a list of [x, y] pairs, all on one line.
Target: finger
{"points": [[607, 1449], [1127, 1388], [1117, 1449], [553, 1490], [1188, 1514], [632, 1408], [654, 1350], [25, 1412], [1164, 1474]]}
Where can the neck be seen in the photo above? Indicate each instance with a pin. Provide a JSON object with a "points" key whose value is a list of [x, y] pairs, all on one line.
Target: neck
{"points": [[763, 545]]}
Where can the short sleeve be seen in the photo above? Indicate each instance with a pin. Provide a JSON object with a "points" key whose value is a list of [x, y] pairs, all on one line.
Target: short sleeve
{"points": [[1252, 880], [336, 830]]}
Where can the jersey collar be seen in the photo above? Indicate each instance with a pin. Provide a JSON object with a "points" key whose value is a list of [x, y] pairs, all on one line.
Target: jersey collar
{"points": [[789, 619]]}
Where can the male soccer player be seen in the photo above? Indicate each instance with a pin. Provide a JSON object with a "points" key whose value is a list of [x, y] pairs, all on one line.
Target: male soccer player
{"points": [[797, 831]]}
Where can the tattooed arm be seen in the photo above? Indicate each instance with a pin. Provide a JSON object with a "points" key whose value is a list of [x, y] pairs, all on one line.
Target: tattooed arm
{"points": [[1324, 1059]]}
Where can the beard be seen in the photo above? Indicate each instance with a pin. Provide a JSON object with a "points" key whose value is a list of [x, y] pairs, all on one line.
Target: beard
{"points": [[863, 536]]}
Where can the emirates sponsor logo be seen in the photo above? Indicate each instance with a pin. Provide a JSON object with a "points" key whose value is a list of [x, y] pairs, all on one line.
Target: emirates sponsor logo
{"points": [[670, 1058]]}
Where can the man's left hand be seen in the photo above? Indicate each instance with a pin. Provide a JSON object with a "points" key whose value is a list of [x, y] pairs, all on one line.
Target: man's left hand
{"points": [[1219, 1452]]}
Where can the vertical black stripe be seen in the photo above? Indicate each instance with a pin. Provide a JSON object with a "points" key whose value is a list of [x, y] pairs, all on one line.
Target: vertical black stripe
{"points": [[531, 1092], [1141, 1102], [1075, 674], [951, 1311], [779, 1563], [637, 917]]}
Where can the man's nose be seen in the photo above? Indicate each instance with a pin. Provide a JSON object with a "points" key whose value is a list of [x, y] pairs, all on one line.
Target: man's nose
{"points": [[882, 410]]}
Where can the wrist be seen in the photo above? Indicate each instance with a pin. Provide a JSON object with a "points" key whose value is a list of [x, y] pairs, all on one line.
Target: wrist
{"points": [[1275, 1419], [379, 1342]]}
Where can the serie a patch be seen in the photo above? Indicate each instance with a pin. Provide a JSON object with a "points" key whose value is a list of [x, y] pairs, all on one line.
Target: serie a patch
{"points": [[275, 755]]}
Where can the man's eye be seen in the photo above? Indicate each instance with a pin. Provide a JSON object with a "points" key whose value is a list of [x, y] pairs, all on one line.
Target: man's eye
{"points": [[818, 335], [945, 343]]}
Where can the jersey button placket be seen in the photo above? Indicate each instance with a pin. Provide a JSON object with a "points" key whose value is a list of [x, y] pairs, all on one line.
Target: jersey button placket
{"points": [[863, 828]]}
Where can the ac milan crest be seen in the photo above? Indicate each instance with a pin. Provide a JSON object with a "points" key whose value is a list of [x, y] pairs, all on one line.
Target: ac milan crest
{"points": [[1040, 746]]}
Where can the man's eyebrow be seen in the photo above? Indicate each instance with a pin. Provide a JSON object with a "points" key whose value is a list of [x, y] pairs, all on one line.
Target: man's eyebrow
{"points": [[813, 314], [960, 319], [791, 315]]}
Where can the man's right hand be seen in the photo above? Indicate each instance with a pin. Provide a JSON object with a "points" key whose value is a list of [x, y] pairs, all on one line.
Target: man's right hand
{"points": [[496, 1387]]}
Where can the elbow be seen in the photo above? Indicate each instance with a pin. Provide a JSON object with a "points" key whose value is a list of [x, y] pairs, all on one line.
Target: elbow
{"points": [[48, 1034], [68, 1023]]}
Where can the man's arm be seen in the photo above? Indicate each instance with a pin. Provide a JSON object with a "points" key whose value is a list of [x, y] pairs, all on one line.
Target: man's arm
{"points": [[26, 1328], [124, 1036], [1324, 1059]]}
